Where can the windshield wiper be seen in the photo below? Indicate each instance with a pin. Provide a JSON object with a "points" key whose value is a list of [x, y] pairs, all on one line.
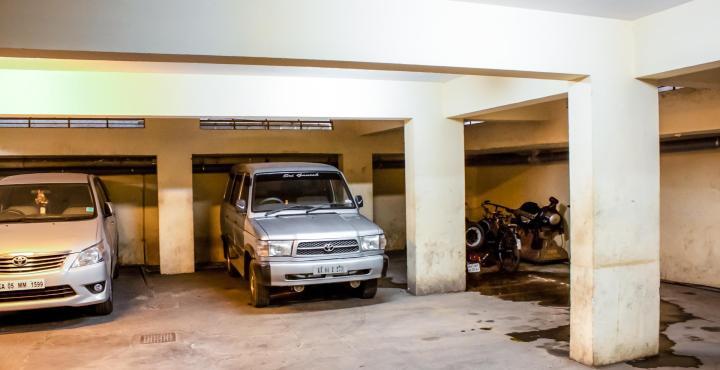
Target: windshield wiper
{"points": [[324, 206], [43, 219], [297, 206]]}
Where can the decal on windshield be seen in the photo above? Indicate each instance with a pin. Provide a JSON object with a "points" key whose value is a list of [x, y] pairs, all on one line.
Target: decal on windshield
{"points": [[300, 175]]}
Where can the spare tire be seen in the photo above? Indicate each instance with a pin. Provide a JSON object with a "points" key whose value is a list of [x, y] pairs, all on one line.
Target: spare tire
{"points": [[474, 235]]}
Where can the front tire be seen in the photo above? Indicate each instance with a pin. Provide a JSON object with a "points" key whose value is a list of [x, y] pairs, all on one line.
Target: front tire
{"points": [[104, 308], [259, 293], [116, 271], [367, 289]]}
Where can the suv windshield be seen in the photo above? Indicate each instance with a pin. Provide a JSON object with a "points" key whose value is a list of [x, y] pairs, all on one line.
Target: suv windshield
{"points": [[300, 190], [45, 202]]}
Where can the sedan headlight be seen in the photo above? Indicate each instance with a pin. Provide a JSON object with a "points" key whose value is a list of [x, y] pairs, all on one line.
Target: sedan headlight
{"points": [[274, 248], [90, 256], [373, 242]]}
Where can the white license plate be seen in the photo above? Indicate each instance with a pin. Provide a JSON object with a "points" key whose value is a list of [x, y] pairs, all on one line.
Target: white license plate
{"points": [[329, 269], [473, 267], [7, 286]]}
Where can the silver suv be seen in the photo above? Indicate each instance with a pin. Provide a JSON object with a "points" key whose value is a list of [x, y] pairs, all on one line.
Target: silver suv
{"points": [[58, 242], [296, 224]]}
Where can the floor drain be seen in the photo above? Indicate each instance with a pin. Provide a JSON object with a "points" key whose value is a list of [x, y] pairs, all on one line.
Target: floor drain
{"points": [[158, 338]]}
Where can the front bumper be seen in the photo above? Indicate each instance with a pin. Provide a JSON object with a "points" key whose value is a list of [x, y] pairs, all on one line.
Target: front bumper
{"points": [[76, 278], [293, 273]]}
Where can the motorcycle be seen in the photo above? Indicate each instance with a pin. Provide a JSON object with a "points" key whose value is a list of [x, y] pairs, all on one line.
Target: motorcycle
{"points": [[492, 241], [542, 231]]}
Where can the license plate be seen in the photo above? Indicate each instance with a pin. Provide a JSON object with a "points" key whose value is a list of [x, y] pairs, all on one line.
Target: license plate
{"points": [[329, 269], [473, 267], [8, 286]]}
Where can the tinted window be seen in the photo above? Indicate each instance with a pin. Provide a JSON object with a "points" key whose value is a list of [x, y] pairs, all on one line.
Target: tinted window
{"points": [[300, 189], [229, 187], [46, 202], [245, 186], [236, 189]]}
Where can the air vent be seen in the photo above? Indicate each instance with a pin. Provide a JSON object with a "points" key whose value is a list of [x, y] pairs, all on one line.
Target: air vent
{"points": [[71, 123], [248, 124]]}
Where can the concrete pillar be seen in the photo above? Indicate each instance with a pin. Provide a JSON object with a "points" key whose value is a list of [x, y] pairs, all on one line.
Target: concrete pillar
{"points": [[175, 212], [435, 205], [358, 170], [615, 198]]}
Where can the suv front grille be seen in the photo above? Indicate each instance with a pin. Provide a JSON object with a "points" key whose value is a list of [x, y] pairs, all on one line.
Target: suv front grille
{"points": [[35, 294], [9, 264], [327, 247]]}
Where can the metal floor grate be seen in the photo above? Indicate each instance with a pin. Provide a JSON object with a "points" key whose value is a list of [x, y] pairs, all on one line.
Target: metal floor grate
{"points": [[158, 338]]}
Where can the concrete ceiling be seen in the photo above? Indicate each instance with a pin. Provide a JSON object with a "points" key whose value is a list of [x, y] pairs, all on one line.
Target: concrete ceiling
{"points": [[619, 9]]}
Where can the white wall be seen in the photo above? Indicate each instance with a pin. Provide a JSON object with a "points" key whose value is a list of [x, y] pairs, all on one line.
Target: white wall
{"points": [[678, 40]]}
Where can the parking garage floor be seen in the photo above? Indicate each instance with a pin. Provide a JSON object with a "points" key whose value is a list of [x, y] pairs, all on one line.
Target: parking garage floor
{"points": [[204, 320]]}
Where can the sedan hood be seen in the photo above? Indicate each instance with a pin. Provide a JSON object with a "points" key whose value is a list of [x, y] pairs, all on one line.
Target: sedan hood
{"points": [[48, 237], [316, 227]]}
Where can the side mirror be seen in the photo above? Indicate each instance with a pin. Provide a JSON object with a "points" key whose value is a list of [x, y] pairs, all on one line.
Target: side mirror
{"points": [[241, 205], [108, 209], [359, 201]]}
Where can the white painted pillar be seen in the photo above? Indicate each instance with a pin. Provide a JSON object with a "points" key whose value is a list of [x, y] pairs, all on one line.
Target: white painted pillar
{"points": [[358, 171], [435, 205], [614, 198], [175, 212]]}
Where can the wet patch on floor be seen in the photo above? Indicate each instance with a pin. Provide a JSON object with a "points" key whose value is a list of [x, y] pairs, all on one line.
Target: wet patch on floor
{"points": [[548, 289], [559, 334], [670, 313], [552, 289]]}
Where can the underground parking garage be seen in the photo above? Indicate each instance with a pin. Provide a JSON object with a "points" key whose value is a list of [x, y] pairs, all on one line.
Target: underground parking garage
{"points": [[185, 127]]}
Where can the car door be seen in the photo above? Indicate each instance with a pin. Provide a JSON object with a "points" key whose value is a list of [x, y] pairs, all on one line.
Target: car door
{"points": [[234, 220], [226, 209], [109, 218]]}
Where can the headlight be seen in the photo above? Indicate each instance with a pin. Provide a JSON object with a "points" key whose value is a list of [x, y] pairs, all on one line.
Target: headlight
{"points": [[373, 242], [274, 248], [90, 256]]}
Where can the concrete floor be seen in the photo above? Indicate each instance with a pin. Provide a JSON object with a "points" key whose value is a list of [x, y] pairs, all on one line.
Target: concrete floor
{"points": [[517, 321]]}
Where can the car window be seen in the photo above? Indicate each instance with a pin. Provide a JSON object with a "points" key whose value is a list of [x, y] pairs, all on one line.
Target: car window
{"points": [[300, 189], [245, 186], [105, 192], [102, 196], [236, 189], [46, 202], [229, 188]]}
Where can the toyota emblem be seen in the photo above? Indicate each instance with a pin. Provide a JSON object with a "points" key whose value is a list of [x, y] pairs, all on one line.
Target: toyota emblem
{"points": [[19, 261], [328, 248]]}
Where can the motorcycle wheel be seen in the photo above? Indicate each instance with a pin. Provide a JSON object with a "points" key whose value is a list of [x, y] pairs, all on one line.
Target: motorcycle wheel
{"points": [[509, 253], [474, 236]]}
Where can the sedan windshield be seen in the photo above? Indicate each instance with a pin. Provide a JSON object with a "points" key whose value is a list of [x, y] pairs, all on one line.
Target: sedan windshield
{"points": [[300, 191], [45, 202]]}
